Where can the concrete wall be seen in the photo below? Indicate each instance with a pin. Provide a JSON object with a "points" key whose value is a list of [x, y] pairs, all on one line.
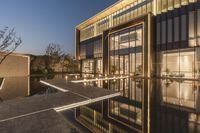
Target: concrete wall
{"points": [[15, 65], [14, 87]]}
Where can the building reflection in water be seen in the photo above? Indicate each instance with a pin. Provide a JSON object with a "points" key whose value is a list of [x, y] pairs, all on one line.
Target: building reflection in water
{"points": [[173, 107], [122, 114], [155, 105], [18, 87]]}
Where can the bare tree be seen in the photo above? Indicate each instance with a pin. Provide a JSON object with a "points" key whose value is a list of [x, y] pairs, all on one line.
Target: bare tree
{"points": [[54, 49], [54, 53], [65, 61], [8, 42]]}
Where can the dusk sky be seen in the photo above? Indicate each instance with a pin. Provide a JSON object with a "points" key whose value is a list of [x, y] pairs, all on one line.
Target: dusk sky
{"points": [[40, 22]]}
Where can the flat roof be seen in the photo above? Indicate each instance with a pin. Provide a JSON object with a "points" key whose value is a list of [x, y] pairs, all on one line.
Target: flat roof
{"points": [[28, 111], [111, 9]]}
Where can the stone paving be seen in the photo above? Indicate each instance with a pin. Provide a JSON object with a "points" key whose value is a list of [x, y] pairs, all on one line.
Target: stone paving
{"points": [[37, 114]]}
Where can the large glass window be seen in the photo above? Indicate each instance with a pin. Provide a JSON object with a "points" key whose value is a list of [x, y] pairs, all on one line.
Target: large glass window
{"points": [[124, 39], [126, 51], [97, 48], [88, 66], [139, 36], [91, 48], [82, 51], [183, 93], [132, 37], [114, 64], [178, 64], [124, 64], [99, 66]]}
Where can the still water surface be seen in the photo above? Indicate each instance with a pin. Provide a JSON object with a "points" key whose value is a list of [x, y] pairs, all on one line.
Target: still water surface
{"points": [[174, 106]]}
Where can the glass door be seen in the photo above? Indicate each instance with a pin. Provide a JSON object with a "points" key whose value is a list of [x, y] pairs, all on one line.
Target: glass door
{"points": [[124, 64], [124, 70]]}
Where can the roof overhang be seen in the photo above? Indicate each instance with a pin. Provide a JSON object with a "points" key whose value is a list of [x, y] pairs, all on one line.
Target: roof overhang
{"points": [[113, 8]]}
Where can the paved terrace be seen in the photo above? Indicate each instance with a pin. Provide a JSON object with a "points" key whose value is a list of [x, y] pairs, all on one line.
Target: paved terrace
{"points": [[38, 114]]}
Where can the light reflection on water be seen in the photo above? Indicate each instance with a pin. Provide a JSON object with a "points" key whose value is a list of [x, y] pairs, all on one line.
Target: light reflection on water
{"points": [[174, 104], [17, 87]]}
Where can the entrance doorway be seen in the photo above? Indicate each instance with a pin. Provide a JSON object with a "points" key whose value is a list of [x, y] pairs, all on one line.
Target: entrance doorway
{"points": [[124, 64]]}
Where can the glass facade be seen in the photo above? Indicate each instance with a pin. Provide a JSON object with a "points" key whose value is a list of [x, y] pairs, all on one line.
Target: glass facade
{"points": [[87, 32], [127, 107], [180, 93], [126, 48], [177, 50], [172, 103], [125, 14], [132, 11], [92, 66], [88, 66], [91, 56], [91, 48], [95, 120]]}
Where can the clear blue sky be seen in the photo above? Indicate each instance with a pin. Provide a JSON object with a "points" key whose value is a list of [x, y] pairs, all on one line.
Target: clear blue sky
{"points": [[40, 22]]}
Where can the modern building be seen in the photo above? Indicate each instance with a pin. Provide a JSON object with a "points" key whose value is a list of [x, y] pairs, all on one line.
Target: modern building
{"points": [[156, 42]]}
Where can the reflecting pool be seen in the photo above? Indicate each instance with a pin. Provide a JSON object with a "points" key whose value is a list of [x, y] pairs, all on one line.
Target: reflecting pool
{"points": [[164, 105]]}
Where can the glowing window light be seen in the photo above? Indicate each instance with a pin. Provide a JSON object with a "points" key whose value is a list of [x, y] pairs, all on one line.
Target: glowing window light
{"points": [[99, 79]]}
